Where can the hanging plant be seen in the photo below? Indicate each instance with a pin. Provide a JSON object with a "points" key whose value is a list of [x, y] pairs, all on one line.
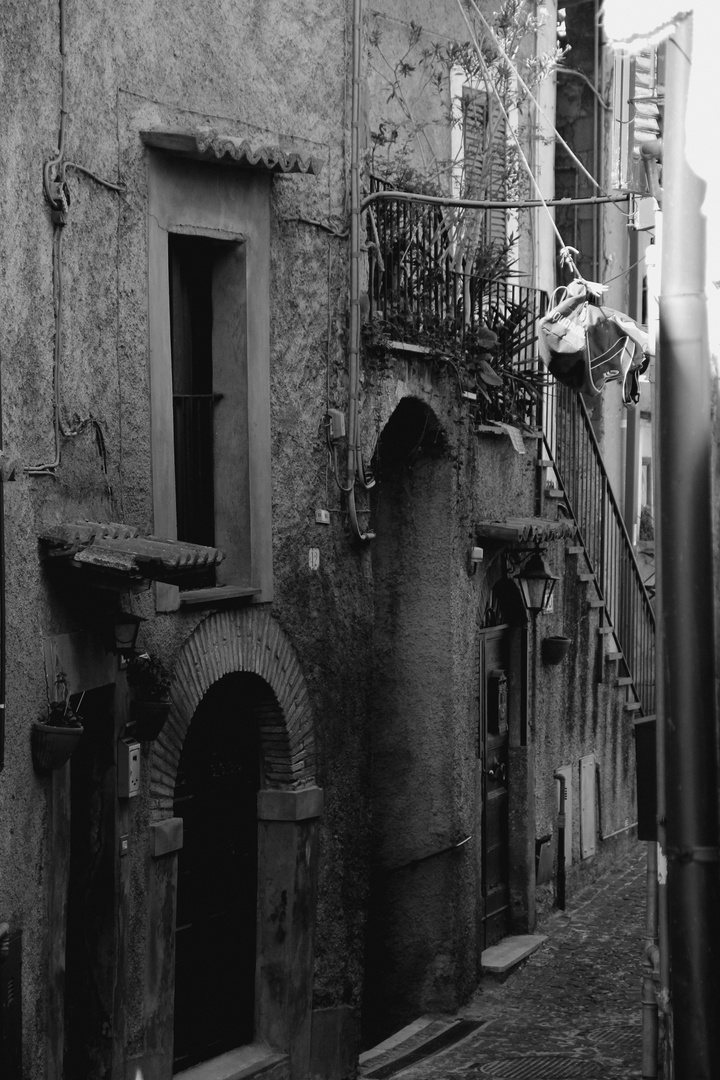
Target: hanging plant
{"points": [[53, 738], [149, 684]]}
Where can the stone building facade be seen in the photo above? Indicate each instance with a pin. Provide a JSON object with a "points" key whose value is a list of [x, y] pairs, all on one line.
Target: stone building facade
{"points": [[300, 864]]}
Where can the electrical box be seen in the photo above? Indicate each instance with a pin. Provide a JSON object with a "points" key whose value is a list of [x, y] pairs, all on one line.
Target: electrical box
{"points": [[336, 424], [128, 768]]}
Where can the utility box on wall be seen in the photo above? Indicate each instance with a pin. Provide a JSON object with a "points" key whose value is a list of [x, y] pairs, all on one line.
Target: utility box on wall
{"points": [[128, 768]]}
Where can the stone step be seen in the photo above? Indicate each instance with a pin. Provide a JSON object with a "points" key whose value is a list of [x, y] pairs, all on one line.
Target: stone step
{"points": [[245, 1063], [502, 958], [422, 1039]]}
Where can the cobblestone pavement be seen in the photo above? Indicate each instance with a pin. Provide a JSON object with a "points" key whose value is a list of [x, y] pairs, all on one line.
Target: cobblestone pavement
{"points": [[572, 1012]]}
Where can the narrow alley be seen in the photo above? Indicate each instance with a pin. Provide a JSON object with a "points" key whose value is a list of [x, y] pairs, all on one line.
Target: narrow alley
{"points": [[572, 1011]]}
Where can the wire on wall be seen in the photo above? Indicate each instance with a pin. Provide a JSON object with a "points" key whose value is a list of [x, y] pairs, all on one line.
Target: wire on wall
{"points": [[57, 194]]}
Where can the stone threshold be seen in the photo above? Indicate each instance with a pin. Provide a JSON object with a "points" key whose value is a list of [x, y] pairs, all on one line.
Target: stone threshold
{"points": [[424, 1038], [500, 959], [239, 1064]]}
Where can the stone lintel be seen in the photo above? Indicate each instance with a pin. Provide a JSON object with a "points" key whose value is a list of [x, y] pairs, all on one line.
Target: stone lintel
{"points": [[290, 805]]}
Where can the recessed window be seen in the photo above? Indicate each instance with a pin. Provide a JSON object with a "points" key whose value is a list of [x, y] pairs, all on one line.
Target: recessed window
{"points": [[209, 366], [209, 393]]}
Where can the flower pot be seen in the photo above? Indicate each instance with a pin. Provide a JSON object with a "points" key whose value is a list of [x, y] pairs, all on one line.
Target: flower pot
{"points": [[555, 649], [52, 746], [149, 718]]}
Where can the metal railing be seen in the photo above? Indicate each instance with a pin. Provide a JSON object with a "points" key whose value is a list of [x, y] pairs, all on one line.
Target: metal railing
{"points": [[431, 274], [572, 445]]}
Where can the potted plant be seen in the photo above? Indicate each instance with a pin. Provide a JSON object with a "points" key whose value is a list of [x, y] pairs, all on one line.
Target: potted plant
{"points": [[555, 649], [149, 683], [55, 736]]}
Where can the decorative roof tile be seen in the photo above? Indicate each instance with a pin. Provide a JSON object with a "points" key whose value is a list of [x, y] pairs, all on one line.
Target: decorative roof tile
{"points": [[524, 530], [205, 144], [120, 551]]}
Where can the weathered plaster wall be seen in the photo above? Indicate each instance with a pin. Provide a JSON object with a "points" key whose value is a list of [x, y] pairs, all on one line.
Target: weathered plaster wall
{"points": [[257, 71], [422, 735], [272, 74], [579, 710]]}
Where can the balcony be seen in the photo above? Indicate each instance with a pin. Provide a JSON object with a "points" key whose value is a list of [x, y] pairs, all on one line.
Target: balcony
{"points": [[438, 286]]}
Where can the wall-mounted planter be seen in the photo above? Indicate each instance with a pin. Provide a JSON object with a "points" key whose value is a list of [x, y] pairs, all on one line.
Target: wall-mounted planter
{"points": [[149, 718], [52, 746], [555, 649]]}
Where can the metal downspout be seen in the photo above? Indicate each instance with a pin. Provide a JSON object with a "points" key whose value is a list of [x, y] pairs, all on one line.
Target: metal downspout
{"points": [[354, 326], [686, 559], [2, 594], [651, 971]]}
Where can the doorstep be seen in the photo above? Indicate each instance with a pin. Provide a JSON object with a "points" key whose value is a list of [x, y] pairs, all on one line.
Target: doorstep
{"points": [[424, 1038], [240, 1064], [500, 959]]}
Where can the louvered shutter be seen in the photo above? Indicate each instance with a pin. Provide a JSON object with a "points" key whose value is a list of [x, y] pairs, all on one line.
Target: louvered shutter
{"points": [[485, 157]]}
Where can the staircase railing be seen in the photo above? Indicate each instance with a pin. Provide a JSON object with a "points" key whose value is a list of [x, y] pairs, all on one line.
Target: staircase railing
{"points": [[572, 446]]}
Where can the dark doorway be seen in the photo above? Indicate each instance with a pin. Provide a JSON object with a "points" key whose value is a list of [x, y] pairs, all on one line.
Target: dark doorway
{"points": [[493, 741], [216, 796], [413, 960]]}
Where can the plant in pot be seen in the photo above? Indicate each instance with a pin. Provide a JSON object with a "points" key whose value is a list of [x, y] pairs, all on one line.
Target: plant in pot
{"points": [[54, 737], [149, 683]]}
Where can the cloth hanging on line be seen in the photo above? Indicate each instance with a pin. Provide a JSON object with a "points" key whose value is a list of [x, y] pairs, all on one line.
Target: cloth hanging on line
{"points": [[585, 345]]}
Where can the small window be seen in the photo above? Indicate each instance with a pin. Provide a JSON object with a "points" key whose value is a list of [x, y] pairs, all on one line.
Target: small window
{"points": [[209, 259]]}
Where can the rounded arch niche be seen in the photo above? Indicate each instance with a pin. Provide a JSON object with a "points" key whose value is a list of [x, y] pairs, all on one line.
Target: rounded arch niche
{"points": [[249, 640]]}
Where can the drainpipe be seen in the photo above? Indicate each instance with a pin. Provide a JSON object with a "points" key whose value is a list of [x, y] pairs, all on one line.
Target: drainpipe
{"points": [[354, 458], [651, 971], [561, 843], [686, 615], [2, 596]]}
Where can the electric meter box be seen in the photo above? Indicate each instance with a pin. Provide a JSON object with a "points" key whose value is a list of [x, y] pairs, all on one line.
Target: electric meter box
{"points": [[128, 768]]}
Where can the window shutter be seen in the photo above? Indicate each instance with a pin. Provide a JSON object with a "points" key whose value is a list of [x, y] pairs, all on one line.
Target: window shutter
{"points": [[485, 157]]}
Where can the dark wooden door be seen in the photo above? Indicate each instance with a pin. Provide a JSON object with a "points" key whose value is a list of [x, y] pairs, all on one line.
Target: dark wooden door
{"points": [[493, 763], [216, 796]]}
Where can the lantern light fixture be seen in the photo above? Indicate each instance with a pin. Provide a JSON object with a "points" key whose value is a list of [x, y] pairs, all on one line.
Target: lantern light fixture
{"points": [[536, 581], [125, 627]]}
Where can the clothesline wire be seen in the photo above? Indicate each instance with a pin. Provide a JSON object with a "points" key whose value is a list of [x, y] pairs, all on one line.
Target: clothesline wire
{"points": [[498, 44]]}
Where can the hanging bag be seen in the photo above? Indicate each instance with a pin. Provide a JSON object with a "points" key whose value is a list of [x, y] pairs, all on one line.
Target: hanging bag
{"points": [[586, 346]]}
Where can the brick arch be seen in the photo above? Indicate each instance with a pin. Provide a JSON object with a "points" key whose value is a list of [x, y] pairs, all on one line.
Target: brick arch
{"points": [[248, 640]]}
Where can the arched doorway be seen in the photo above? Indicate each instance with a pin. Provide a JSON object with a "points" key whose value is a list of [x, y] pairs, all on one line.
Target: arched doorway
{"points": [[249, 649], [414, 961], [216, 790]]}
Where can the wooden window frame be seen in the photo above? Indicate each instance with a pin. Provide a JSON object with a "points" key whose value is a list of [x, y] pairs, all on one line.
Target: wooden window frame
{"points": [[220, 203]]}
